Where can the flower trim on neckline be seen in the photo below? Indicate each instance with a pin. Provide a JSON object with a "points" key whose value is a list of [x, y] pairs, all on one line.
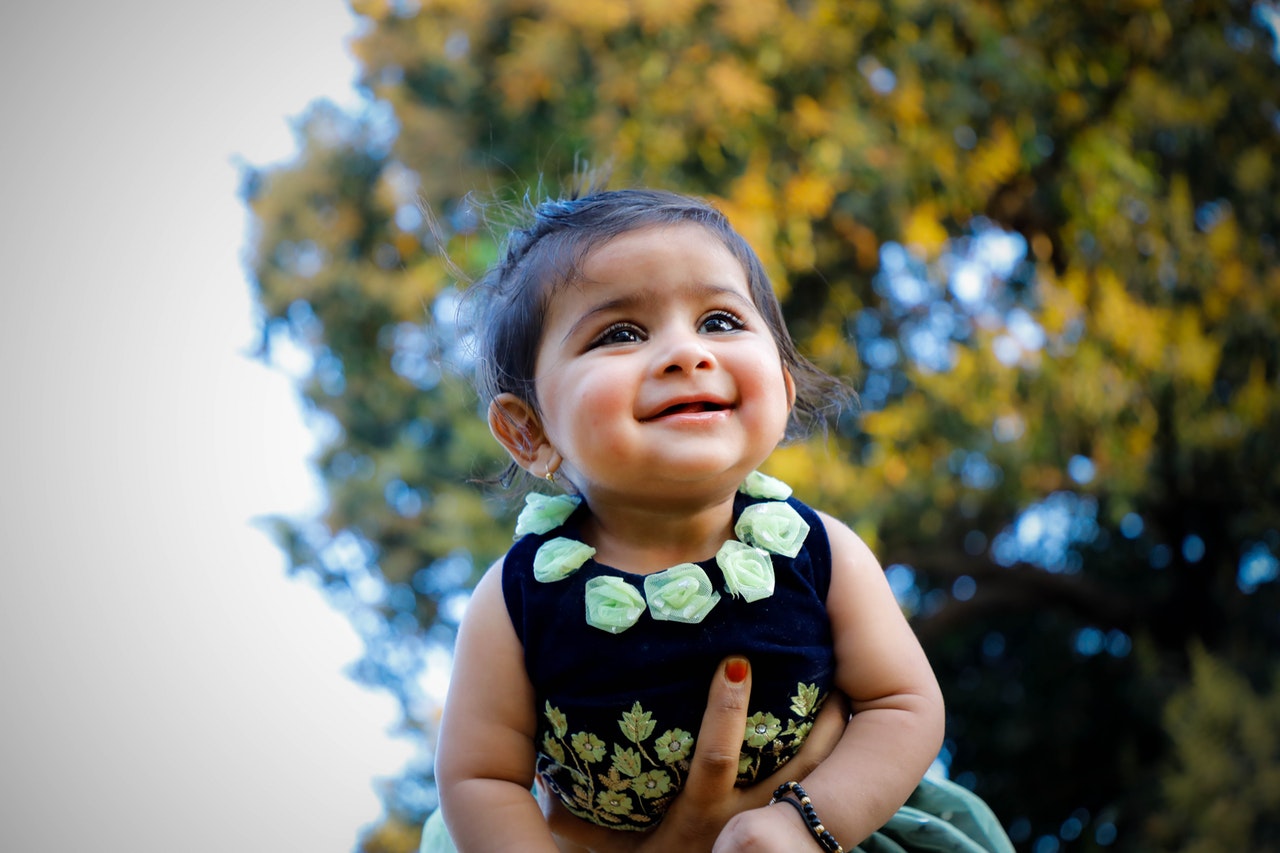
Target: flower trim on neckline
{"points": [[682, 593]]}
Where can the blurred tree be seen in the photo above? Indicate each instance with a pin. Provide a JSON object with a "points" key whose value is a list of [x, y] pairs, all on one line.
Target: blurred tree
{"points": [[1039, 237], [1224, 790]]}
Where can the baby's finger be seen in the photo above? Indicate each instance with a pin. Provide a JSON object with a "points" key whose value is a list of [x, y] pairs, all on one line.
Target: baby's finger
{"points": [[714, 767]]}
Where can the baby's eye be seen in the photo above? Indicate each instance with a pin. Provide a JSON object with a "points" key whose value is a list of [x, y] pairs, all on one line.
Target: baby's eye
{"points": [[721, 321], [619, 333]]}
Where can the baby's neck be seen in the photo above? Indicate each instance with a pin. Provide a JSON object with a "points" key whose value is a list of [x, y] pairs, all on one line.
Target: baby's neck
{"points": [[644, 541]]}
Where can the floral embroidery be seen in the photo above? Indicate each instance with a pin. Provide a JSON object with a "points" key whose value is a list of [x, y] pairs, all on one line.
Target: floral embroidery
{"points": [[773, 526], [560, 557], [762, 728], [681, 593], [633, 789], [544, 513], [748, 572], [588, 747], [651, 784], [763, 486], [613, 605], [674, 745], [614, 803]]}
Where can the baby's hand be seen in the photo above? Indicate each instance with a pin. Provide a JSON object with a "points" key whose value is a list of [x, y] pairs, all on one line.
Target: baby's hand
{"points": [[771, 829]]}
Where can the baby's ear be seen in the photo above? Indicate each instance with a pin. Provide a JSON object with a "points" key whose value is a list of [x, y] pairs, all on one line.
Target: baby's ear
{"points": [[516, 426]]}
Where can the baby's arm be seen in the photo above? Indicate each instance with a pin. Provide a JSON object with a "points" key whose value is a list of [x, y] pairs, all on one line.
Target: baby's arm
{"points": [[898, 721], [485, 757]]}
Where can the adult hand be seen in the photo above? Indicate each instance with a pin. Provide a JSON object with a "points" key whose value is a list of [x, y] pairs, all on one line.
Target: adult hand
{"points": [[709, 798]]}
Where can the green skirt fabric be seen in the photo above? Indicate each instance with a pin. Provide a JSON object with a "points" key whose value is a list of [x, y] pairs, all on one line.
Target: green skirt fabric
{"points": [[939, 817]]}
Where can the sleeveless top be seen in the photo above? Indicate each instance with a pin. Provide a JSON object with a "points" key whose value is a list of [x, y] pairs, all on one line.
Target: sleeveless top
{"points": [[618, 712]]}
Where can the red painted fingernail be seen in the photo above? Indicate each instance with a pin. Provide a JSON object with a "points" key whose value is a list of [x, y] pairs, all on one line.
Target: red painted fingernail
{"points": [[736, 670]]}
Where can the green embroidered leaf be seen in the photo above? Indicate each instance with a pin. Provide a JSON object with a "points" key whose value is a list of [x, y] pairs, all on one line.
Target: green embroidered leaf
{"points": [[637, 724], [802, 732], [626, 761], [744, 763], [805, 700], [589, 747], [557, 719], [551, 747]]}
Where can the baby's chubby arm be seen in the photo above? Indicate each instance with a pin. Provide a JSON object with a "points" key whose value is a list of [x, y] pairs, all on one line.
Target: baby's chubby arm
{"points": [[898, 721], [485, 757]]}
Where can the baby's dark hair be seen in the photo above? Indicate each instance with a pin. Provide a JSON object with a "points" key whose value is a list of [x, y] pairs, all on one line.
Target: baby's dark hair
{"points": [[513, 296]]}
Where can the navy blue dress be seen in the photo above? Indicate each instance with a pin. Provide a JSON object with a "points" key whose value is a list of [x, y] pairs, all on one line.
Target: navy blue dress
{"points": [[618, 713]]}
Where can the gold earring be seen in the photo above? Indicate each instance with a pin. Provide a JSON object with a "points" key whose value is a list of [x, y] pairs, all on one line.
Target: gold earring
{"points": [[552, 467]]}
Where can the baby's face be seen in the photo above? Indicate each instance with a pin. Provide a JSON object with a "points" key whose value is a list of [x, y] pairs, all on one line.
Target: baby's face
{"points": [[656, 372]]}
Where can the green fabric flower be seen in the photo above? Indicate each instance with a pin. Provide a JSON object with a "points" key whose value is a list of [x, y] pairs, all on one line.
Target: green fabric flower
{"points": [[560, 557], [762, 727], [763, 486], [775, 526], [748, 572], [543, 513], [674, 745], [613, 605], [681, 593], [651, 784]]}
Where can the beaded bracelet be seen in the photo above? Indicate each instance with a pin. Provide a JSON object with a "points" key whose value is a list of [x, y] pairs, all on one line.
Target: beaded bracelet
{"points": [[801, 803]]}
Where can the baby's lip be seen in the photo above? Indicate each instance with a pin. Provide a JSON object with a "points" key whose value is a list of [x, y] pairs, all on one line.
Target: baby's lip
{"points": [[695, 404]]}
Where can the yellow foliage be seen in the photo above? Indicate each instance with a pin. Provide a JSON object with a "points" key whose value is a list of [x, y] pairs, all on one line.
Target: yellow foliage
{"points": [[809, 118], [1257, 399], [745, 20], [376, 10], [1071, 105], [739, 90], [1135, 329], [1224, 238], [809, 195], [1253, 170], [531, 70], [812, 464], [596, 17], [907, 102], [1194, 354], [799, 250], [865, 245], [1219, 297], [657, 15], [923, 231], [995, 160], [1159, 101], [1059, 305], [752, 209]]}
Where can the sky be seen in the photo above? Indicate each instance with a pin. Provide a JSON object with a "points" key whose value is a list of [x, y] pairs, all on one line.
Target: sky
{"points": [[165, 685]]}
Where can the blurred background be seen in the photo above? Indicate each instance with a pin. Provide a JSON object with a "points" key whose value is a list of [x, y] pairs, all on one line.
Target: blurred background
{"points": [[1040, 239]]}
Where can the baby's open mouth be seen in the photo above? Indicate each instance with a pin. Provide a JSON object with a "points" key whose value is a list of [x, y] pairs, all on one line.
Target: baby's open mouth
{"points": [[690, 408]]}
